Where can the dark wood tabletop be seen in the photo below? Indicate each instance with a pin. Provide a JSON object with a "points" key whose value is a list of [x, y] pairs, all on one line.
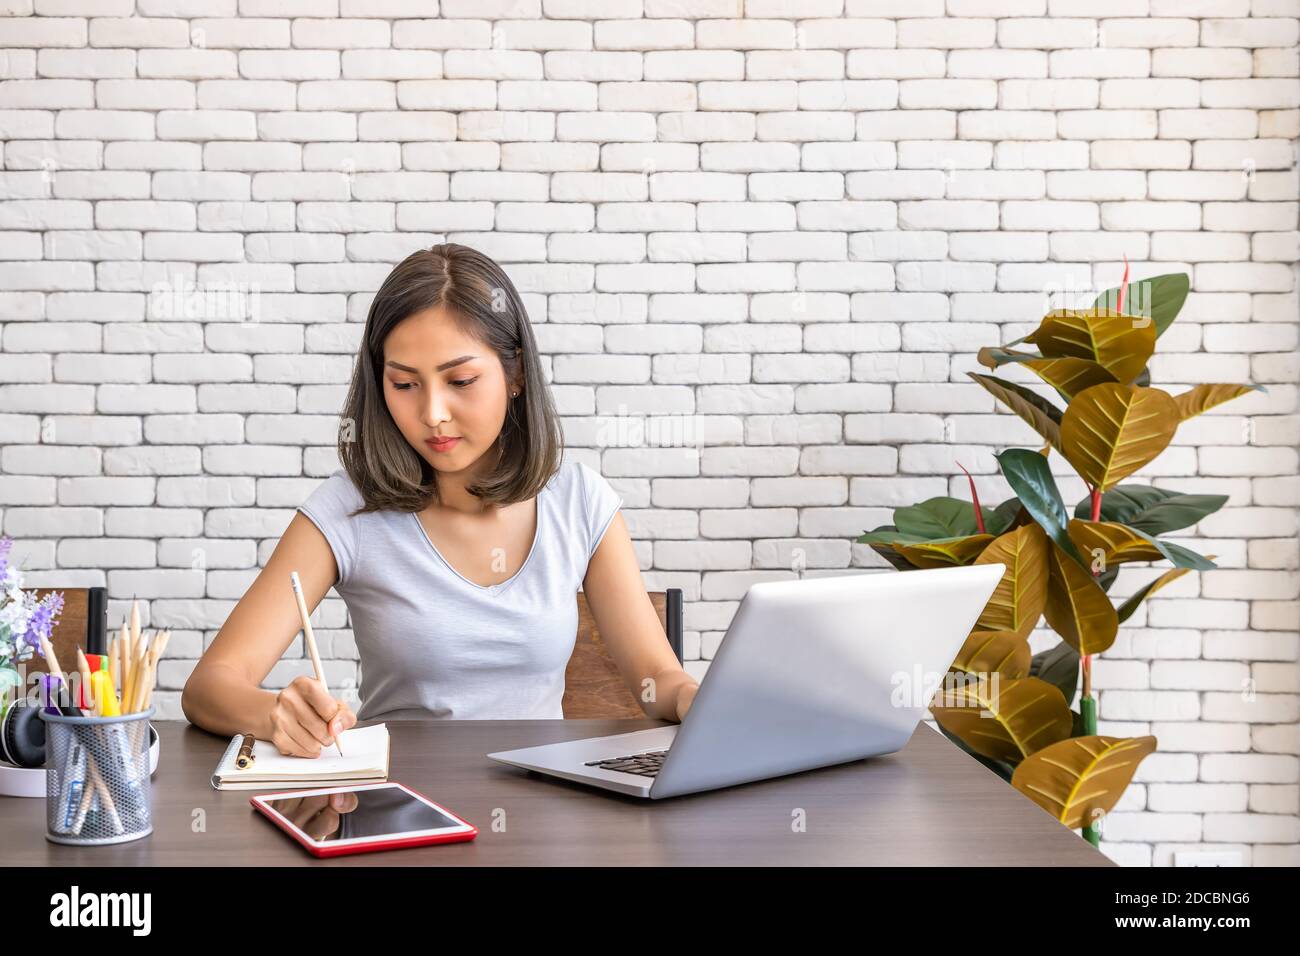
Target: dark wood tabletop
{"points": [[930, 804]]}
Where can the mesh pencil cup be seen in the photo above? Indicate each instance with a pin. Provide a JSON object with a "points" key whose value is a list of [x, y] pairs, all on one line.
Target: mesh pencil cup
{"points": [[97, 779]]}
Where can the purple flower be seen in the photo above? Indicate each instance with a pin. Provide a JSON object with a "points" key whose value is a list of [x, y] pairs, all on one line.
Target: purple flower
{"points": [[41, 623], [24, 620]]}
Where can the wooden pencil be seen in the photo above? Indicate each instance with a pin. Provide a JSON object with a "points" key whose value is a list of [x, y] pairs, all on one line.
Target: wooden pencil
{"points": [[113, 661], [128, 657], [310, 640], [136, 638], [105, 796], [151, 667], [123, 642], [51, 661], [87, 691], [139, 669]]}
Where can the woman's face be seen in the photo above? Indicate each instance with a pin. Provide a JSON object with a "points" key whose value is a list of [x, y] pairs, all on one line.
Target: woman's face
{"points": [[441, 382]]}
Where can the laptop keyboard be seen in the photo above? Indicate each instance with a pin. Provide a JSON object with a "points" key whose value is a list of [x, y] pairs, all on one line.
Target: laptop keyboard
{"points": [[645, 764]]}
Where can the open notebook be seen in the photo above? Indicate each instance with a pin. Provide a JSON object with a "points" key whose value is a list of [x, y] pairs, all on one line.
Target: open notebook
{"points": [[366, 761]]}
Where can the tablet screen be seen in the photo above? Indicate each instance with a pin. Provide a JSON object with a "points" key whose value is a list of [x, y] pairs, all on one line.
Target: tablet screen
{"points": [[375, 812]]}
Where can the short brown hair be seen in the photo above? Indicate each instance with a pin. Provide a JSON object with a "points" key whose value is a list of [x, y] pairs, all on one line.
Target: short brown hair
{"points": [[483, 301]]}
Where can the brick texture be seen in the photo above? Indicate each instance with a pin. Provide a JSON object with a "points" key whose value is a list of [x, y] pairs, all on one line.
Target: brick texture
{"points": [[760, 242]]}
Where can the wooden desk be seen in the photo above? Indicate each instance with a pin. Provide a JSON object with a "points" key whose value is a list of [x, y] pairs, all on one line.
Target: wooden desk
{"points": [[928, 804]]}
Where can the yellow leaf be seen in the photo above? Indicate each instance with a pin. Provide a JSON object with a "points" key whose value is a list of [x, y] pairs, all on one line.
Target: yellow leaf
{"points": [[989, 652], [1121, 344], [944, 553], [1080, 780], [1018, 600], [1069, 376], [1110, 431], [1117, 543], [1077, 608], [1204, 397], [1032, 413], [1003, 719]]}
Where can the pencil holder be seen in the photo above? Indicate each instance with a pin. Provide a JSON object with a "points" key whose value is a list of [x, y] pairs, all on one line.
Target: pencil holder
{"points": [[97, 779]]}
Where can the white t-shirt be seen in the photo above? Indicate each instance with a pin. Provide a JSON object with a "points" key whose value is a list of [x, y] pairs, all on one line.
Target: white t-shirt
{"points": [[433, 643]]}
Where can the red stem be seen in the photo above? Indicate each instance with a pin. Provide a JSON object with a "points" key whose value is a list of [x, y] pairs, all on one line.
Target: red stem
{"points": [[1096, 504], [975, 498], [1123, 289]]}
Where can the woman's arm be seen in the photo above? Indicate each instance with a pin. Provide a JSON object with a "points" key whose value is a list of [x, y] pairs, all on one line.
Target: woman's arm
{"points": [[630, 627], [224, 694]]}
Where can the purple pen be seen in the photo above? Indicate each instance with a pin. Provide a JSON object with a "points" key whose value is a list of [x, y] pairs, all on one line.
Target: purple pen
{"points": [[50, 681]]}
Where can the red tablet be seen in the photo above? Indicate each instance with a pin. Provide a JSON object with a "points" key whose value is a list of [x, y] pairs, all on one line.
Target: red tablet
{"points": [[362, 819]]}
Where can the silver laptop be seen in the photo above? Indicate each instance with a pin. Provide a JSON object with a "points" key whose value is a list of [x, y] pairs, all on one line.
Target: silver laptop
{"points": [[810, 673]]}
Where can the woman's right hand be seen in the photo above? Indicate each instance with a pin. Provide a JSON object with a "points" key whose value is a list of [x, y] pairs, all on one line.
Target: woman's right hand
{"points": [[299, 718]]}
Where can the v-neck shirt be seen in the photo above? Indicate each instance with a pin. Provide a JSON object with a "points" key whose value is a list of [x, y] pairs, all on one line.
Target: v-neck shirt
{"points": [[433, 643], [498, 586]]}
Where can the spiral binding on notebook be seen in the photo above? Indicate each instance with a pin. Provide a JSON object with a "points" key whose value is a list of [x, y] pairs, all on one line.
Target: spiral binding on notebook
{"points": [[227, 761]]}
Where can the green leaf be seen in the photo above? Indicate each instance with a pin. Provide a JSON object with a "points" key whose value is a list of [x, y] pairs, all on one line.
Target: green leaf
{"points": [[993, 356], [1160, 297], [940, 517], [1151, 510], [1107, 577], [1180, 556], [1004, 516], [1031, 479], [1058, 666], [888, 534]]}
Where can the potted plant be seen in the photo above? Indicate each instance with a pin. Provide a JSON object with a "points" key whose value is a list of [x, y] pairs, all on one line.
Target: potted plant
{"points": [[1010, 709]]}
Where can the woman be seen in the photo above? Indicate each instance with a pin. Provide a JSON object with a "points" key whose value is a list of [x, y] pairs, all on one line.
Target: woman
{"points": [[453, 532]]}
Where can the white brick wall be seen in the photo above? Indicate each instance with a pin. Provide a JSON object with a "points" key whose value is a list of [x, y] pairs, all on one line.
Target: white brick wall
{"points": [[810, 215]]}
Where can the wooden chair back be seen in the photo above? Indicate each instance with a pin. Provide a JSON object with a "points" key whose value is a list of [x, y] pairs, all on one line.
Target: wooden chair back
{"points": [[593, 687]]}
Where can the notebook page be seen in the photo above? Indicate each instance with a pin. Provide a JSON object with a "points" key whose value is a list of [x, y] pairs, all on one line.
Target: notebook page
{"points": [[365, 749]]}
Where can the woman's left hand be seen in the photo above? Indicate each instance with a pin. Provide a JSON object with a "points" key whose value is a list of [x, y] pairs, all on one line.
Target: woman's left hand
{"points": [[685, 696]]}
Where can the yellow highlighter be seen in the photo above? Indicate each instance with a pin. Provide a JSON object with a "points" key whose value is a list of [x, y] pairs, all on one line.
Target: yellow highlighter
{"points": [[105, 695]]}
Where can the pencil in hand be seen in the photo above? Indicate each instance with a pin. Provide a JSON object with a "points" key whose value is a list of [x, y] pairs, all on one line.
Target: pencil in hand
{"points": [[310, 640]]}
